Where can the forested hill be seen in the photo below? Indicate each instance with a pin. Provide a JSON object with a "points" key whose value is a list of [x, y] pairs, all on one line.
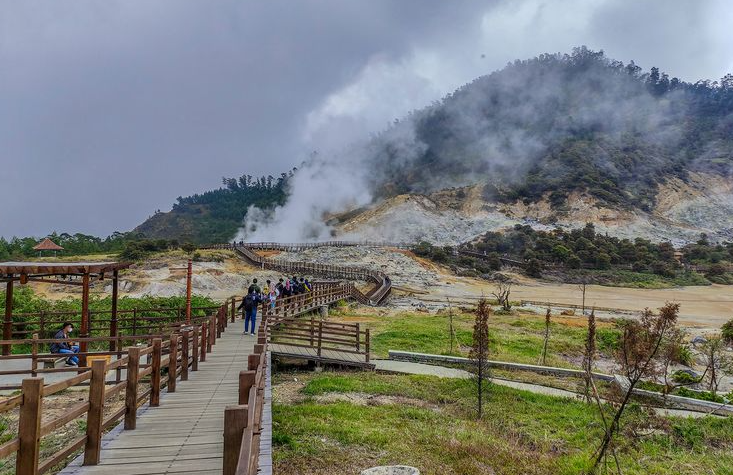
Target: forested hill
{"points": [[558, 123], [215, 216]]}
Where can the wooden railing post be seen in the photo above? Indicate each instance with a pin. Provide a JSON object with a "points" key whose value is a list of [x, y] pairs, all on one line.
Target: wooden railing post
{"points": [[252, 362], [234, 308], [155, 375], [29, 427], [133, 373], [34, 355], [312, 329], [93, 445], [235, 422], [358, 337], [184, 355], [367, 347], [204, 341], [173, 364], [195, 350], [212, 332], [320, 336], [246, 381]]}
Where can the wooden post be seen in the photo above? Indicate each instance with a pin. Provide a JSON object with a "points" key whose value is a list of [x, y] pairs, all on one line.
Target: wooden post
{"points": [[133, 367], [367, 347], [312, 328], [234, 308], [204, 342], [195, 350], [189, 273], [320, 336], [252, 362], [246, 381], [34, 355], [96, 413], [113, 318], [212, 331], [173, 364], [8, 322], [155, 375], [84, 318], [184, 356], [235, 422], [358, 337], [29, 427]]}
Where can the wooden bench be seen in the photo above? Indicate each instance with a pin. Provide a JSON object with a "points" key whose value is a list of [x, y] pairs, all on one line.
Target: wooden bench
{"points": [[52, 361]]}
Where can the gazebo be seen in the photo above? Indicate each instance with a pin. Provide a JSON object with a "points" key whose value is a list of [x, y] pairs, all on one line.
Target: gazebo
{"points": [[47, 245], [80, 273]]}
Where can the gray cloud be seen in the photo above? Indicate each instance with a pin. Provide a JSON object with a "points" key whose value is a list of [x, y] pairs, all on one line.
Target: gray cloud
{"points": [[111, 109]]}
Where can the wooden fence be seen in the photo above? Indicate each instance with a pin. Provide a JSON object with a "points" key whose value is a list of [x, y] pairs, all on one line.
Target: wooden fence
{"points": [[150, 326], [243, 421], [185, 348], [383, 284]]}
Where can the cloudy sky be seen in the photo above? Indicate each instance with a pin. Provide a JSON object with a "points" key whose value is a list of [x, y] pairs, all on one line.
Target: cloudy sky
{"points": [[110, 109]]}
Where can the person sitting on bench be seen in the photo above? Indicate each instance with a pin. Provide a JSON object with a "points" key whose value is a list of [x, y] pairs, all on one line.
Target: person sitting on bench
{"points": [[66, 348]]}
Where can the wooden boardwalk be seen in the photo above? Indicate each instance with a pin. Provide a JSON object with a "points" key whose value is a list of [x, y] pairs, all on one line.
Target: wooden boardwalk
{"points": [[327, 355], [185, 433]]}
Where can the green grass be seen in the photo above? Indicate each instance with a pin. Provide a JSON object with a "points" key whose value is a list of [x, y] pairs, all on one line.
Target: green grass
{"points": [[520, 433], [516, 337]]}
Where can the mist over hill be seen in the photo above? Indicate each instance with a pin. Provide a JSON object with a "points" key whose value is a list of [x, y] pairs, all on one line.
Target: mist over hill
{"points": [[540, 129]]}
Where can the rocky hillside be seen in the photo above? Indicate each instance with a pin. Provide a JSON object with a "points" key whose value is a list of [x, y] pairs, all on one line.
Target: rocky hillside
{"points": [[683, 210], [557, 140]]}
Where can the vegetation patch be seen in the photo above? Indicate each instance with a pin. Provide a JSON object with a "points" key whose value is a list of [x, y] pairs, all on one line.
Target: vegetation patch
{"points": [[520, 432]]}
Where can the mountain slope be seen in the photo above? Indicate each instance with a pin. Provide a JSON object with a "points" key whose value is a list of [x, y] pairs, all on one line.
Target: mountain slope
{"points": [[563, 123], [553, 140]]}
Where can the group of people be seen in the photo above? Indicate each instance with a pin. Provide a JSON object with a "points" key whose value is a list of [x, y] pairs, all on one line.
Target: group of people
{"points": [[271, 291]]}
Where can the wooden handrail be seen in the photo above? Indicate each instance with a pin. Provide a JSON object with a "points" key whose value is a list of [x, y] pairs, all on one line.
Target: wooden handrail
{"points": [[27, 445], [242, 422]]}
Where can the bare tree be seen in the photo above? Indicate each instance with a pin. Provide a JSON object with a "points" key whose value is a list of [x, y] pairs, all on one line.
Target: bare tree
{"points": [[479, 354], [451, 329], [589, 354], [582, 286], [548, 315], [716, 362], [670, 353], [637, 356], [501, 293]]}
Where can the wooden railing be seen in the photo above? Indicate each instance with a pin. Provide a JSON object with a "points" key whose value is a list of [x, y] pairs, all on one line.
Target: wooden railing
{"points": [[115, 343], [383, 284], [322, 336], [185, 348], [135, 321], [322, 294], [243, 421]]}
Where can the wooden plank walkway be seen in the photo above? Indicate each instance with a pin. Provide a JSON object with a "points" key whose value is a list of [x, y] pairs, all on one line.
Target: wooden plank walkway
{"points": [[184, 435], [311, 353]]}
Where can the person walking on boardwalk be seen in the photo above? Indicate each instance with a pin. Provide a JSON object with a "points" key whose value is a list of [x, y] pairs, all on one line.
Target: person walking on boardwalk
{"points": [[254, 287], [271, 293], [249, 305]]}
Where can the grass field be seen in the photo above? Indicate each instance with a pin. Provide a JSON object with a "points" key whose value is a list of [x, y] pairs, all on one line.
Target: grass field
{"points": [[517, 337], [430, 423]]}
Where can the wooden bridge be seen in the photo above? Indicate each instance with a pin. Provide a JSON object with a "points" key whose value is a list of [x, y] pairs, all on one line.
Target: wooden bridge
{"points": [[382, 282], [172, 396]]}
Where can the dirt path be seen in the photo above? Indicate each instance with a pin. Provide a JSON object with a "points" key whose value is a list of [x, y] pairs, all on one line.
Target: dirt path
{"points": [[704, 307]]}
